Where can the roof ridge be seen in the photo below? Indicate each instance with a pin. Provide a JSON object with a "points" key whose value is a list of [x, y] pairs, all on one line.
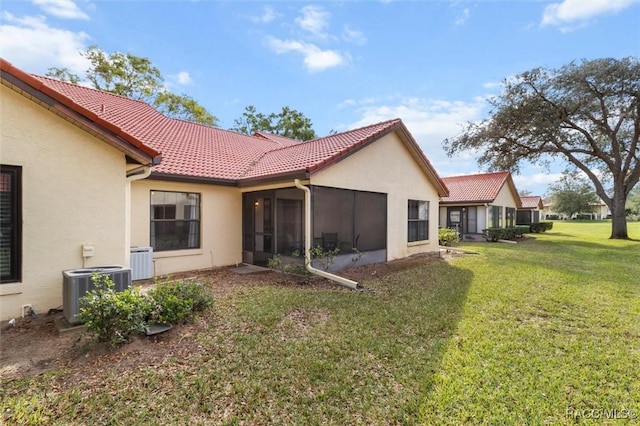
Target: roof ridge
{"points": [[379, 124], [505, 172], [105, 92]]}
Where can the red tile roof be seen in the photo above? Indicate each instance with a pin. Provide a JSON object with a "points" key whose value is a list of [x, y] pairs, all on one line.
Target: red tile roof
{"points": [[80, 106], [197, 152], [531, 202], [282, 140], [477, 188]]}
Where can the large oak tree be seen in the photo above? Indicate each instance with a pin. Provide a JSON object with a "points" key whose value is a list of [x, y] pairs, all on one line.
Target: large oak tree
{"points": [[586, 112], [137, 78]]}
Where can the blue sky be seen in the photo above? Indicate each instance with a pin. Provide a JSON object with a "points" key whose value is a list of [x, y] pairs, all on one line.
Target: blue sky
{"points": [[343, 64]]}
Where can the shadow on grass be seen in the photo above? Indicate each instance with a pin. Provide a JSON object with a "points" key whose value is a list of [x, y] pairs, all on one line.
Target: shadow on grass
{"points": [[409, 321]]}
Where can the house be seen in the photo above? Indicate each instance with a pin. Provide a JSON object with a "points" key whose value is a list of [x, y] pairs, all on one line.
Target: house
{"points": [[530, 211], [65, 174], [218, 197], [479, 201], [599, 211]]}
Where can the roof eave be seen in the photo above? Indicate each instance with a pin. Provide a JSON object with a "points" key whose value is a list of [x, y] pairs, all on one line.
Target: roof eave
{"points": [[36, 90], [273, 178], [482, 202], [191, 179]]}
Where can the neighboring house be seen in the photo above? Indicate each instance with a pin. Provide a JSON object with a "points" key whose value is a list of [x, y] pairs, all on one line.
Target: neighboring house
{"points": [[479, 201], [220, 198], [65, 174], [530, 211], [600, 211]]}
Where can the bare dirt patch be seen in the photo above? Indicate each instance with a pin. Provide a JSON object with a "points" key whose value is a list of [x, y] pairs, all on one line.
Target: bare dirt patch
{"points": [[34, 345]]}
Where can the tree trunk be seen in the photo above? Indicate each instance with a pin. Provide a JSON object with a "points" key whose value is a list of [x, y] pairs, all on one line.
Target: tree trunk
{"points": [[618, 217]]}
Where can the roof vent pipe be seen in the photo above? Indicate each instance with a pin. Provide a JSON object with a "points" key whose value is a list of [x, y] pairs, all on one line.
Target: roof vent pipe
{"points": [[307, 244]]}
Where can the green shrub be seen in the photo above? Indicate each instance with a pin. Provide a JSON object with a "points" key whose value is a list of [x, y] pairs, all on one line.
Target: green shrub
{"points": [[448, 237], [324, 257], [521, 230], [173, 302], [541, 227], [111, 315], [493, 234]]}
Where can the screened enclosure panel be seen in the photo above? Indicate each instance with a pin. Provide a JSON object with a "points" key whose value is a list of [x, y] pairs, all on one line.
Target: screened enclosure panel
{"points": [[346, 219], [370, 223], [290, 236]]}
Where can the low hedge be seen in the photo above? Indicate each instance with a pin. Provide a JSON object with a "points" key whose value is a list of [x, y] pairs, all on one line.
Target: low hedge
{"points": [[540, 227], [511, 233]]}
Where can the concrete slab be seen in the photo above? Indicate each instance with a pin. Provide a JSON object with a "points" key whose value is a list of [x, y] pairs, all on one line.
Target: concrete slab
{"points": [[63, 326], [249, 269]]}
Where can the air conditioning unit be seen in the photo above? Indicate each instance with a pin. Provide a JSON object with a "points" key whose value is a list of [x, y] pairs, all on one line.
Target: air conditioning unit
{"points": [[77, 282], [141, 263]]}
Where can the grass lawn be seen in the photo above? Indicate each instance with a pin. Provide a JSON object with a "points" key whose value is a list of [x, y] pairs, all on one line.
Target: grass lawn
{"points": [[541, 332]]}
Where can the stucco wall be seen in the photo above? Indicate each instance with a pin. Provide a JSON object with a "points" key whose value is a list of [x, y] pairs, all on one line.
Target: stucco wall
{"points": [[387, 166], [220, 226], [73, 194], [505, 198]]}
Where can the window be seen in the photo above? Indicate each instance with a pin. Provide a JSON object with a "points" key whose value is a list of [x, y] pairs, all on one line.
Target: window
{"points": [[10, 223], [511, 214], [175, 220], [496, 216], [418, 221]]}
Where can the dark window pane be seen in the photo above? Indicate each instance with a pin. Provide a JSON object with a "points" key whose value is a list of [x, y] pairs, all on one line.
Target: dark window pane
{"points": [[175, 223], [10, 224], [418, 223]]}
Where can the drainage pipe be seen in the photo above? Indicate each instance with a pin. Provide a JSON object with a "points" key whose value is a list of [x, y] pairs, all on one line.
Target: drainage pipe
{"points": [[138, 173], [307, 243]]}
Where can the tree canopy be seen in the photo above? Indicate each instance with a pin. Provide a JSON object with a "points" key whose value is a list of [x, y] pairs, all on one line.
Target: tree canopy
{"points": [[587, 113], [288, 123], [573, 194], [136, 78]]}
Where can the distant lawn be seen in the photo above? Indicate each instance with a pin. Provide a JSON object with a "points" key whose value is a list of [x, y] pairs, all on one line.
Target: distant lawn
{"points": [[542, 332], [550, 333]]}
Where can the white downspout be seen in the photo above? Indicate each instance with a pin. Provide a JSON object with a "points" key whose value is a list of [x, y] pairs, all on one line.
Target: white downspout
{"points": [[135, 174], [307, 244], [140, 173]]}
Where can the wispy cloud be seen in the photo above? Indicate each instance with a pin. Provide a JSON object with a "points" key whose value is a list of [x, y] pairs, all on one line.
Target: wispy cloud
{"points": [[463, 17], [31, 44], [268, 15], [430, 121], [61, 9], [430, 118], [314, 20], [572, 14], [315, 58], [353, 36], [183, 78], [313, 42]]}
